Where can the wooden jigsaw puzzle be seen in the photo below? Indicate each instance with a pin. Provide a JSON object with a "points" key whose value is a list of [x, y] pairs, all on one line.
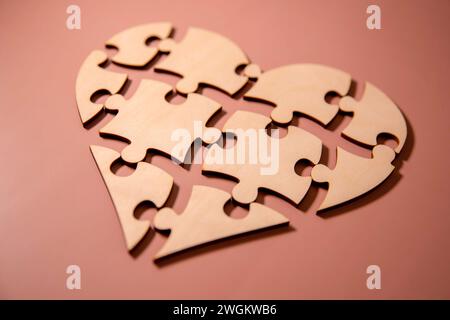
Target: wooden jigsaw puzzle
{"points": [[150, 123], [297, 145]]}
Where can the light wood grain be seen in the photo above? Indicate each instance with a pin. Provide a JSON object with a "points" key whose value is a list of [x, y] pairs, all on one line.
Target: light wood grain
{"points": [[205, 57], [204, 220], [91, 79], [374, 114], [148, 121]]}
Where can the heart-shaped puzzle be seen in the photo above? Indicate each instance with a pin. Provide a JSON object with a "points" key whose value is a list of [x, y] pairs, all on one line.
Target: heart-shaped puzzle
{"points": [[259, 159]]}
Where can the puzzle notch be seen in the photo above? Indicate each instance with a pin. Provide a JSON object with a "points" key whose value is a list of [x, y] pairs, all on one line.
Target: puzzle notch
{"points": [[91, 79], [128, 192], [204, 220], [132, 46]]}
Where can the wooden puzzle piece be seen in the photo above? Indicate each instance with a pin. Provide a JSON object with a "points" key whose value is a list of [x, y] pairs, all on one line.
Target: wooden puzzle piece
{"points": [[147, 183], [300, 88], [133, 50], [297, 145], [354, 175], [374, 114], [148, 121], [204, 220], [91, 79], [205, 57]]}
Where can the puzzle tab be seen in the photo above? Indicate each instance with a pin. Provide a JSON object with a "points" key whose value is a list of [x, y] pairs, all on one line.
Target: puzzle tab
{"points": [[148, 121]]}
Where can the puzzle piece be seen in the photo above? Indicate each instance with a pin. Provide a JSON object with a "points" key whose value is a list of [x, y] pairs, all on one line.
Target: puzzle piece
{"points": [[374, 114], [205, 57], [128, 192], [354, 175], [133, 50], [148, 121], [204, 220], [91, 79], [300, 88], [297, 145]]}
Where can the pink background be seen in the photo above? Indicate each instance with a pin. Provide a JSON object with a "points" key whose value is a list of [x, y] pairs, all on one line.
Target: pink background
{"points": [[55, 210]]}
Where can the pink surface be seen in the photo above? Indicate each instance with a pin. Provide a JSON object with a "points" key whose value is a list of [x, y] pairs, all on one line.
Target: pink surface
{"points": [[55, 210]]}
